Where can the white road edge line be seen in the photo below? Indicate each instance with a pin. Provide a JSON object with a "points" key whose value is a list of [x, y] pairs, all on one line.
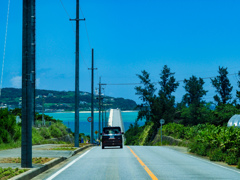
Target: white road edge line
{"points": [[215, 164], [67, 166]]}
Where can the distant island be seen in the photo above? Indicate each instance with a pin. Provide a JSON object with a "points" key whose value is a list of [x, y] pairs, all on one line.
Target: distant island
{"points": [[60, 101]]}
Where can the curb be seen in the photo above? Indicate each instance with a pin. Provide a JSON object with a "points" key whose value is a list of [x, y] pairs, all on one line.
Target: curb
{"points": [[36, 171], [79, 150]]}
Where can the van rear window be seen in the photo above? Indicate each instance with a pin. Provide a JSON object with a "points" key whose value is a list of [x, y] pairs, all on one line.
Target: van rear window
{"points": [[116, 130]]}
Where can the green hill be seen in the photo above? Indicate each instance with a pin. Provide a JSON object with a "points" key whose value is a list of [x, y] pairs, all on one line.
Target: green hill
{"points": [[63, 100]]}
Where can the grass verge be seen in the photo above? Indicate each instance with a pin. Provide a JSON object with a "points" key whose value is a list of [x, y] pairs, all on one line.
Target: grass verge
{"points": [[7, 173], [38, 160]]}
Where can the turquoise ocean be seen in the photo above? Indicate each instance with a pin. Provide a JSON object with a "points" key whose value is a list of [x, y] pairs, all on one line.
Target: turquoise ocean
{"points": [[84, 125]]}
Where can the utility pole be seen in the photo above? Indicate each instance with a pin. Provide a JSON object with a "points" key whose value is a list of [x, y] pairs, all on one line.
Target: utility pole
{"points": [[92, 98], [76, 134], [28, 81], [102, 114], [99, 103], [43, 120], [106, 121]]}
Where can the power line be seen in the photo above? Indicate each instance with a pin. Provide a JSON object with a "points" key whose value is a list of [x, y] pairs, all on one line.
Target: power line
{"points": [[74, 30], [158, 82], [86, 29], [67, 15], [4, 50], [85, 63]]}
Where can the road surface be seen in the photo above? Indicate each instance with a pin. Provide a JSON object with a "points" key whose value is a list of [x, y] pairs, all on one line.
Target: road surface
{"points": [[139, 162]]}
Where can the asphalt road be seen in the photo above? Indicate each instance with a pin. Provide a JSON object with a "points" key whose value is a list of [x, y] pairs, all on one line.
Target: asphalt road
{"points": [[140, 162]]}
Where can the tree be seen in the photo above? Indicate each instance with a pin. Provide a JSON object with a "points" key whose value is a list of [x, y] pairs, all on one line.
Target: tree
{"points": [[223, 113], [195, 91], [166, 100], [238, 92], [147, 96], [196, 112], [223, 87], [155, 107]]}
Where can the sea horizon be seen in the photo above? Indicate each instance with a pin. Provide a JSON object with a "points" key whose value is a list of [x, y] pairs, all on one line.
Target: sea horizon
{"points": [[68, 119]]}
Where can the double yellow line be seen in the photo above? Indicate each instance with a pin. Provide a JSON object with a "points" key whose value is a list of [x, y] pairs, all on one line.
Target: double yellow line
{"points": [[144, 166]]}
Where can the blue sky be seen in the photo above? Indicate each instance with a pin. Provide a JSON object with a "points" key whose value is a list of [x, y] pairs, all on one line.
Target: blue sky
{"points": [[192, 37]]}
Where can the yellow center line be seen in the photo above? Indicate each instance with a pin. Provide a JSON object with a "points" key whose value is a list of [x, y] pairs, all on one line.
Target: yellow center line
{"points": [[144, 166]]}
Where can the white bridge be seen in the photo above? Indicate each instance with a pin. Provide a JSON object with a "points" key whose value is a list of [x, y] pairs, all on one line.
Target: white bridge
{"points": [[115, 119]]}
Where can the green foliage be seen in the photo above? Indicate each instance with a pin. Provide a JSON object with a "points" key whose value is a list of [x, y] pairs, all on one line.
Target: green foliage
{"points": [[17, 133], [7, 173], [46, 117], [232, 159], [238, 92], [9, 130], [145, 135], [219, 143], [133, 133], [146, 94], [61, 127], [232, 156], [196, 114], [195, 91], [165, 102], [84, 137], [36, 136], [153, 107], [17, 112], [223, 87], [223, 113], [216, 155], [45, 132], [55, 132], [12, 144], [238, 165]]}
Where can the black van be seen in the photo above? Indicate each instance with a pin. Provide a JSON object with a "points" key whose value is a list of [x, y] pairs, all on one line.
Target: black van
{"points": [[112, 136]]}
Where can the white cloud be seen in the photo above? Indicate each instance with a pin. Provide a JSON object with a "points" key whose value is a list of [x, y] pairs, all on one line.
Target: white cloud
{"points": [[37, 82], [17, 81]]}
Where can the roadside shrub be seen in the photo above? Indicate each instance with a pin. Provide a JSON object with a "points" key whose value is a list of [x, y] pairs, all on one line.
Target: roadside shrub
{"points": [[45, 132], [202, 150], [5, 135], [133, 133], [55, 132], [61, 127], [216, 155], [238, 165], [36, 136], [7, 125], [7, 173], [17, 133], [231, 157], [1, 170]]}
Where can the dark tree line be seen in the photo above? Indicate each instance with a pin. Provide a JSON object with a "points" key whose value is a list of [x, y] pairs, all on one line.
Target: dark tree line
{"points": [[192, 109]]}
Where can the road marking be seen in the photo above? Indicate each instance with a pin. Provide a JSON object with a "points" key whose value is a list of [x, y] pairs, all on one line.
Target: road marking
{"points": [[144, 166], [67, 166], [215, 164]]}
